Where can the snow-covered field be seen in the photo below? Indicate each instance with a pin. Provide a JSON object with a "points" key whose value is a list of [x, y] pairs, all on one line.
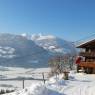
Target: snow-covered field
{"points": [[78, 84], [12, 78]]}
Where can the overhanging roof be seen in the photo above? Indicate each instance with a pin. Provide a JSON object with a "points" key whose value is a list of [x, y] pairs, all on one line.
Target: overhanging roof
{"points": [[88, 44]]}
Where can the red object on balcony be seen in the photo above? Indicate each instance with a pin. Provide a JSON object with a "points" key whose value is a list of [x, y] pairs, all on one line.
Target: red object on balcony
{"points": [[78, 60]]}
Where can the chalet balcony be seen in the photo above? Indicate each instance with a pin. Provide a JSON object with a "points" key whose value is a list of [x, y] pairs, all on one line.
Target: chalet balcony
{"points": [[87, 64], [87, 54]]}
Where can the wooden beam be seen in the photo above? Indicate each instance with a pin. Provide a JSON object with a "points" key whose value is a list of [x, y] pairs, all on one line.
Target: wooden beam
{"points": [[87, 64]]}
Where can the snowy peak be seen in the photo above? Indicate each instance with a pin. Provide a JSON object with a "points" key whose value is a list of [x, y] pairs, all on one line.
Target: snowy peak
{"points": [[54, 44], [41, 37]]}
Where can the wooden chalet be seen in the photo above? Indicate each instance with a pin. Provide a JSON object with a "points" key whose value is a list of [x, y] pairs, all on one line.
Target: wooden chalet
{"points": [[87, 51]]}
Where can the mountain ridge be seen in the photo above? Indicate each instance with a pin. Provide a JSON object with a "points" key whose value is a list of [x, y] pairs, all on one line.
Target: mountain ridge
{"points": [[54, 44], [23, 51]]}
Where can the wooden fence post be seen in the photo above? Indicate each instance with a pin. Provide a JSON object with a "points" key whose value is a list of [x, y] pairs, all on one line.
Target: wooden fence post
{"points": [[43, 77], [23, 83]]}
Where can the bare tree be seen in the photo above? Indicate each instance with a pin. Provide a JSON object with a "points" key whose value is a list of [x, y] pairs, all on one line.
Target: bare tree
{"points": [[57, 64], [60, 64]]}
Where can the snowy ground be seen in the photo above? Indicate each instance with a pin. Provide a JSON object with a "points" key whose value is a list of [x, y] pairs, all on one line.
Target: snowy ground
{"points": [[78, 84], [12, 78]]}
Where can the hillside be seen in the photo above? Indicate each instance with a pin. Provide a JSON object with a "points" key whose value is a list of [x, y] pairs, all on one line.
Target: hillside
{"points": [[19, 51], [35, 52]]}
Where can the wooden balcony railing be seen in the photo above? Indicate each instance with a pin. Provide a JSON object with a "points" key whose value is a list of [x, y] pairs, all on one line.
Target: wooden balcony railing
{"points": [[87, 64], [87, 54]]}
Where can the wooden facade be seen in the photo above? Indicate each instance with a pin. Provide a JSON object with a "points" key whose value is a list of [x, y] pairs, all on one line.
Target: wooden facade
{"points": [[88, 54]]}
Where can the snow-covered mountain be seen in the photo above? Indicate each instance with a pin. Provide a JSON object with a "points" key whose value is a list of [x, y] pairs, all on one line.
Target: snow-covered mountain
{"points": [[16, 50], [54, 44]]}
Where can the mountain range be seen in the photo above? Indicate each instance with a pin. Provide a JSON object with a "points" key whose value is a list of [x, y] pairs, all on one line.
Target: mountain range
{"points": [[32, 52], [54, 44]]}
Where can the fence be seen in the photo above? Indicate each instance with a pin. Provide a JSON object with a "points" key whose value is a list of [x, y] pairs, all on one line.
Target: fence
{"points": [[42, 76]]}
